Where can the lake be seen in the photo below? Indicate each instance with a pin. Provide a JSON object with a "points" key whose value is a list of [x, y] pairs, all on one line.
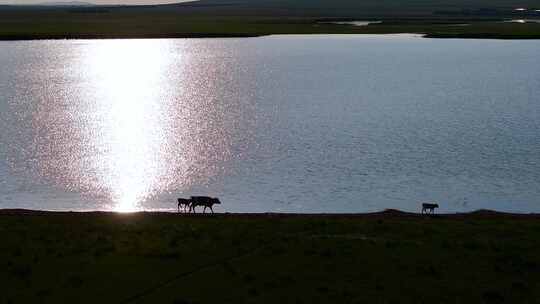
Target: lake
{"points": [[318, 123]]}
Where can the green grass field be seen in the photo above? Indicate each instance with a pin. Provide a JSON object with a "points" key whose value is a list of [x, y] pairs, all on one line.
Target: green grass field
{"points": [[223, 18], [169, 258]]}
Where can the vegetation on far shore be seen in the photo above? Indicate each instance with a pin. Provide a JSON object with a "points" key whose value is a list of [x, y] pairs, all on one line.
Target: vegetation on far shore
{"points": [[389, 257], [244, 18]]}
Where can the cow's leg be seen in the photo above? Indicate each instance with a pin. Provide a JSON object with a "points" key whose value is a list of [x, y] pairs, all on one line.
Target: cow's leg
{"points": [[204, 210], [211, 209]]}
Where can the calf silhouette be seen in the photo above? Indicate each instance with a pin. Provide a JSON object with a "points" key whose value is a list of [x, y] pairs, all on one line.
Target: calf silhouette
{"points": [[205, 201], [184, 203], [429, 208]]}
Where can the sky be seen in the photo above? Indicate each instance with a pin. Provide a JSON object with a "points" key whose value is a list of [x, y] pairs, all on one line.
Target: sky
{"points": [[91, 1]]}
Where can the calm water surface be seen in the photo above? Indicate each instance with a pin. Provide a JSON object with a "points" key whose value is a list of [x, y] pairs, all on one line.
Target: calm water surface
{"points": [[280, 123]]}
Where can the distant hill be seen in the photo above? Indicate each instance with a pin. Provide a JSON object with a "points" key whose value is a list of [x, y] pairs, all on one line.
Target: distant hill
{"points": [[66, 3]]}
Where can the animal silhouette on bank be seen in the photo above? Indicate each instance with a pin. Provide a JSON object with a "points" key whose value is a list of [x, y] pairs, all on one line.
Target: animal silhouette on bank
{"points": [[205, 201], [184, 203], [429, 208]]}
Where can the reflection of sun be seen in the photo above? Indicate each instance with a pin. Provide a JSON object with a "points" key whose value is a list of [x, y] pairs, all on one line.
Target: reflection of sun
{"points": [[126, 204], [130, 121], [127, 76]]}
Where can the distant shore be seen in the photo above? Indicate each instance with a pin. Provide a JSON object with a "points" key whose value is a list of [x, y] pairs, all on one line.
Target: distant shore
{"points": [[23, 37], [424, 30], [221, 19], [34, 37]]}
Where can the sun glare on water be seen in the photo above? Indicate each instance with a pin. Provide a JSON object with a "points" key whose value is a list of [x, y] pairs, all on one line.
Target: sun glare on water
{"points": [[127, 76], [130, 120]]}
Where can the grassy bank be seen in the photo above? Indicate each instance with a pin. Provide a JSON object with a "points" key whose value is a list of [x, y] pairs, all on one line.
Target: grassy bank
{"points": [[243, 18], [167, 258], [225, 29]]}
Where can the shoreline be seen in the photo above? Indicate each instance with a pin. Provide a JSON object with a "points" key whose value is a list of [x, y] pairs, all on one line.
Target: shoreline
{"points": [[481, 36], [388, 213], [32, 37], [40, 37]]}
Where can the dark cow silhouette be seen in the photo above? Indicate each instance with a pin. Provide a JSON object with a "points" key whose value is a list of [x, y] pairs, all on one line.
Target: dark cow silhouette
{"points": [[429, 208], [184, 203], [205, 201]]}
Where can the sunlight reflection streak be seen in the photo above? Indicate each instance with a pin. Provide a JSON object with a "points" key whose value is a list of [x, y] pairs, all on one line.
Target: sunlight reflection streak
{"points": [[127, 75], [130, 120]]}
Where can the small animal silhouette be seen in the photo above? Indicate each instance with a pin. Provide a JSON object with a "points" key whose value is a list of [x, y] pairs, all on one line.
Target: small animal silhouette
{"points": [[429, 208], [205, 201], [185, 203]]}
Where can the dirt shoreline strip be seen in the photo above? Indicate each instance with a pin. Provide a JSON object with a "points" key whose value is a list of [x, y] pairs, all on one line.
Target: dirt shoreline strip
{"points": [[389, 213]]}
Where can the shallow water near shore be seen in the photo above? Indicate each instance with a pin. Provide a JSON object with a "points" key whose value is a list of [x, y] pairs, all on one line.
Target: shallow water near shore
{"points": [[318, 123]]}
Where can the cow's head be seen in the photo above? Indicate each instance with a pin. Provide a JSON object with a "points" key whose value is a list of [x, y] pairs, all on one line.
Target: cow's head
{"points": [[215, 200]]}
